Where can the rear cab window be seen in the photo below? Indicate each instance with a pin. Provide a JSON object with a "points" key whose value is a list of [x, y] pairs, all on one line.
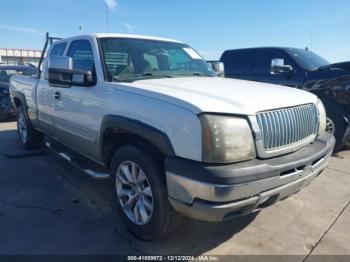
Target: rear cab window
{"points": [[238, 62], [58, 49]]}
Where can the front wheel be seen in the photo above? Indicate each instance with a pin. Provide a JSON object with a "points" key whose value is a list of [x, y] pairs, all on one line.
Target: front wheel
{"points": [[29, 137], [337, 127], [140, 194]]}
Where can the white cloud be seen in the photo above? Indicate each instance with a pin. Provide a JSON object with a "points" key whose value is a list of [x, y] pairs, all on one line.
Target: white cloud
{"points": [[111, 4], [129, 27], [22, 29]]}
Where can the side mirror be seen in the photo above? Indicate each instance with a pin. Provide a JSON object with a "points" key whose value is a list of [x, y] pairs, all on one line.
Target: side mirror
{"points": [[62, 73], [278, 66], [218, 67]]}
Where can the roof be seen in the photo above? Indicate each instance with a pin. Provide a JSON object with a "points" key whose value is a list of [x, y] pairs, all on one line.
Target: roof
{"points": [[265, 48], [106, 35], [103, 35]]}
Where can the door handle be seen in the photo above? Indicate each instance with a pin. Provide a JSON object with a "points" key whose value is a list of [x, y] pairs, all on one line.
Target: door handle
{"points": [[57, 95]]}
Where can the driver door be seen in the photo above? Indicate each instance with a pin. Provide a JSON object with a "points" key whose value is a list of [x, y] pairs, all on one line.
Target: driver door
{"points": [[76, 107]]}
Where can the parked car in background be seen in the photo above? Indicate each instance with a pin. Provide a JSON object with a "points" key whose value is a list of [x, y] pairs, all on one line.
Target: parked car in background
{"points": [[299, 68], [175, 139], [6, 71]]}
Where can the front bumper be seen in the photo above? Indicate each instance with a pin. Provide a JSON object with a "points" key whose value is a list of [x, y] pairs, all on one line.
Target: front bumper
{"points": [[215, 193]]}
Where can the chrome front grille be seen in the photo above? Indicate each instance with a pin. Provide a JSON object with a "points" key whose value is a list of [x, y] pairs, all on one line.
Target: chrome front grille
{"points": [[283, 127]]}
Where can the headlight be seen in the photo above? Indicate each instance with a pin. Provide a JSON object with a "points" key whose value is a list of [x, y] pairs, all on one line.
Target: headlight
{"points": [[322, 117], [226, 139]]}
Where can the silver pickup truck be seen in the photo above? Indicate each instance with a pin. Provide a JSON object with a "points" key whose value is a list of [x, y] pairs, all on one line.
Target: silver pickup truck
{"points": [[174, 139]]}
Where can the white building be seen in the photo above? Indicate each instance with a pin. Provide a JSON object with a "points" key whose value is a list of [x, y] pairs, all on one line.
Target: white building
{"points": [[19, 56]]}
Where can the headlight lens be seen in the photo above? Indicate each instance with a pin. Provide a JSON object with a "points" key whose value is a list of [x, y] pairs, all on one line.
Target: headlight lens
{"points": [[322, 117], [226, 139]]}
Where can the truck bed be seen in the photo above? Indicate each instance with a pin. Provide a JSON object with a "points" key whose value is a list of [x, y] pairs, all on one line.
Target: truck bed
{"points": [[25, 85]]}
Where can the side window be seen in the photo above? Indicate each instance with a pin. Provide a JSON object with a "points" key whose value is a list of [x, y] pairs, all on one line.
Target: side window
{"points": [[287, 60], [58, 49], [238, 62], [264, 59], [81, 53], [263, 62]]}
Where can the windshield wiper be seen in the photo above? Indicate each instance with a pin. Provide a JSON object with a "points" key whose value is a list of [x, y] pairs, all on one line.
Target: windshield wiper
{"points": [[132, 78], [201, 74], [152, 74], [195, 74], [136, 77]]}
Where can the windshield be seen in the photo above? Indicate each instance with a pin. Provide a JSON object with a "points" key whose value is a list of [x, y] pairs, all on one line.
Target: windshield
{"points": [[307, 59], [127, 60], [6, 73]]}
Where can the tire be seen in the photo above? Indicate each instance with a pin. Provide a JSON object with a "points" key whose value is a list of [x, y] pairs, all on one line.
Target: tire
{"points": [[336, 126], [3, 117], [159, 216], [29, 137]]}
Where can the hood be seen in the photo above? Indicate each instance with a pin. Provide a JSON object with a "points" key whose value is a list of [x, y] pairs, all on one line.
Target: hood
{"points": [[345, 66], [222, 95], [331, 84]]}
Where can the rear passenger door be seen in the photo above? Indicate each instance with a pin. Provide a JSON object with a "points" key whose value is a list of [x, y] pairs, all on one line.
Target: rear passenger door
{"points": [[46, 95], [262, 69]]}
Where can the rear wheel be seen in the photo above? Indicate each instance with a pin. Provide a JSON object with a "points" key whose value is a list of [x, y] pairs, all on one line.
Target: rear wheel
{"points": [[29, 137], [3, 116], [140, 194]]}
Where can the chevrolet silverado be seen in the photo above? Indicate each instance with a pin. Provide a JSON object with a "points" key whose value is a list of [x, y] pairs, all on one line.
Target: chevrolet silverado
{"points": [[173, 138]]}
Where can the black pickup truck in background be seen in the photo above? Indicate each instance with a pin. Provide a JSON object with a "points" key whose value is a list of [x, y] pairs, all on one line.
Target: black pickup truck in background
{"points": [[299, 68]]}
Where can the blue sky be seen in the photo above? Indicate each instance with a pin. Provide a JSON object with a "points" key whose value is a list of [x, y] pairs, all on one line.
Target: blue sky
{"points": [[207, 25]]}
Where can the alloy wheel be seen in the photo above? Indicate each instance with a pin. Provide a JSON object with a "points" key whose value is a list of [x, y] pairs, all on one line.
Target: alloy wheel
{"points": [[22, 127], [134, 192], [330, 127]]}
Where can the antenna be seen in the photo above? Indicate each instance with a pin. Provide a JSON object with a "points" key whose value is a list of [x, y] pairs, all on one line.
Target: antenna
{"points": [[311, 36], [107, 17]]}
